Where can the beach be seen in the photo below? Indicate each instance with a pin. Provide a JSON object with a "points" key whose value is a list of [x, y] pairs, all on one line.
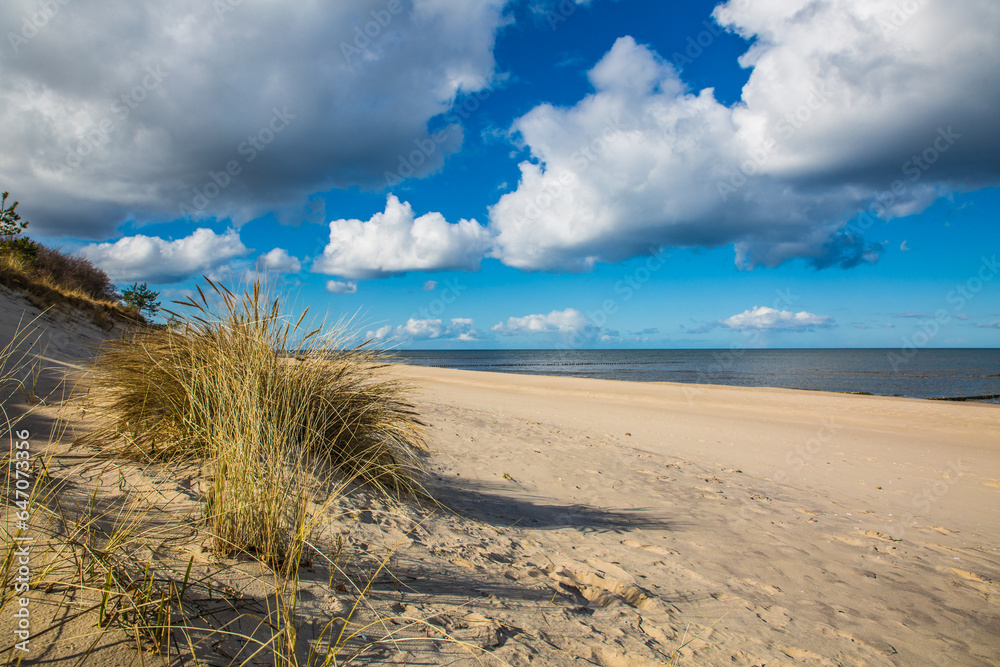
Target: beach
{"points": [[776, 526], [585, 521]]}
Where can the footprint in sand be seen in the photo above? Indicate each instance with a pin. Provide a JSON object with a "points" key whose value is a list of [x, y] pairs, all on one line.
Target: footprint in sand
{"points": [[880, 536], [652, 548], [980, 583], [766, 588], [602, 589], [775, 616], [804, 656]]}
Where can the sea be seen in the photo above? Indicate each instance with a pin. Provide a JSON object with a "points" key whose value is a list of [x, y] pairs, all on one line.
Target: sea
{"points": [[940, 374]]}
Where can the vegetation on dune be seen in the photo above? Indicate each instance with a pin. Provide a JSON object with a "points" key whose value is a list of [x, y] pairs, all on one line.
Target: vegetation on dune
{"points": [[50, 277], [141, 299], [218, 386], [11, 224], [282, 436]]}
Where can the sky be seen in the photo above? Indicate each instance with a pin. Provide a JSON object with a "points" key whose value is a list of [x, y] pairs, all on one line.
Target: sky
{"points": [[476, 174]]}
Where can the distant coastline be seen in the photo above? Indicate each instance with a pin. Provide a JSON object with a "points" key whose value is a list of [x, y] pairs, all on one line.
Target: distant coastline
{"points": [[954, 374]]}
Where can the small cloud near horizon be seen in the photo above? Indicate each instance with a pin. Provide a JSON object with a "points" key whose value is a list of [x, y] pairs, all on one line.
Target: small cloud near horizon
{"points": [[763, 318], [341, 287], [458, 329]]}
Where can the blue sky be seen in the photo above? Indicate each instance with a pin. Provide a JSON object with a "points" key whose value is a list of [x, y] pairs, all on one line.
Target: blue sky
{"points": [[529, 174]]}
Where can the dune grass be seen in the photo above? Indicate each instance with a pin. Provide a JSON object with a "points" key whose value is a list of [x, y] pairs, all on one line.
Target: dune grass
{"points": [[282, 432], [221, 385]]}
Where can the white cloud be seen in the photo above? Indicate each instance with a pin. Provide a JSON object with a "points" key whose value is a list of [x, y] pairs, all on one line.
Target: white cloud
{"points": [[762, 317], [396, 241], [569, 326], [464, 329], [144, 110], [278, 261], [429, 285], [558, 321], [341, 287], [833, 113], [422, 329], [380, 334], [155, 260], [459, 328]]}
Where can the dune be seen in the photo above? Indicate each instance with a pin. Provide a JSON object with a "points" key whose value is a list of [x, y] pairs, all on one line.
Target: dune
{"points": [[613, 523]]}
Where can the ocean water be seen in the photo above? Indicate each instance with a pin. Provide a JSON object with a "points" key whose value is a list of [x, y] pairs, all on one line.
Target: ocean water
{"points": [[951, 374]]}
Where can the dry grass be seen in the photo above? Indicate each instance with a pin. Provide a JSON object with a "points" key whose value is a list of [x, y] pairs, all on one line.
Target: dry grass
{"points": [[219, 387], [55, 279], [283, 434]]}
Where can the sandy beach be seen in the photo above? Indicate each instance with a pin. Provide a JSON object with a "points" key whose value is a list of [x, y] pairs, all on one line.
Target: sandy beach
{"points": [[615, 523], [777, 526]]}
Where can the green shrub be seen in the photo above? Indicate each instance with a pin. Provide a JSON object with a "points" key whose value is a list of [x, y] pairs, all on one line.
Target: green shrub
{"points": [[11, 224], [141, 299], [21, 249]]}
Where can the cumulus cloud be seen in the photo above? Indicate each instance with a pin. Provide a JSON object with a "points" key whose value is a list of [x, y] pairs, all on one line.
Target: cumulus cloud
{"points": [[558, 321], [227, 109], [396, 241], [459, 329], [845, 99], [569, 326], [155, 260], [341, 287], [989, 325], [278, 261], [764, 318]]}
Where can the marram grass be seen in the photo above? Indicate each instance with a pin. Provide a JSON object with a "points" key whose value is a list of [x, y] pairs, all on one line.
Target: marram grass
{"points": [[220, 386]]}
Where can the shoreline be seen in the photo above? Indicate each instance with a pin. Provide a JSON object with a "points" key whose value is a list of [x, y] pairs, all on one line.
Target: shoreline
{"points": [[985, 399], [937, 374]]}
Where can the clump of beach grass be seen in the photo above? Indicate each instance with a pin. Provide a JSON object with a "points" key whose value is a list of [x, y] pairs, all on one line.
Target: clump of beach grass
{"points": [[271, 407], [277, 430]]}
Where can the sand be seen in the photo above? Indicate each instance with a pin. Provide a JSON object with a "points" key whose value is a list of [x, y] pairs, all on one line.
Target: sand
{"points": [[614, 523], [777, 526]]}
